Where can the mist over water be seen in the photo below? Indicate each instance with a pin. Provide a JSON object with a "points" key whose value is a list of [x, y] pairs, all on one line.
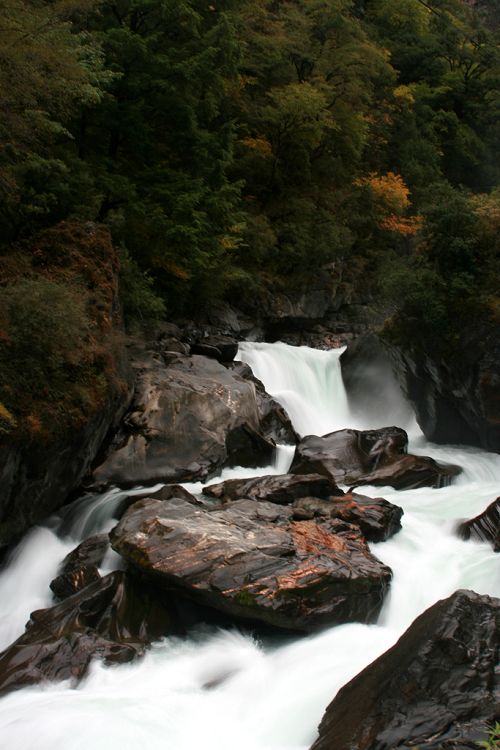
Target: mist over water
{"points": [[268, 695]]}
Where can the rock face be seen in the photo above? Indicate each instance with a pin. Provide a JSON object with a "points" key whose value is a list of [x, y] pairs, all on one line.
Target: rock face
{"points": [[367, 369], [438, 687], [485, 527], [221, 348], [376, 457], [187, 420], [112, 619], [457, 399], [274, 421], [316, 496], [80, 567], [253, 561]]}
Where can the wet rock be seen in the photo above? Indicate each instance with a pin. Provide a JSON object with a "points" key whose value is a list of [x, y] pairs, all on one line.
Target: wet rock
{"points": [[275, 423], [438, 687], [186, 420], [80, 567], [282, 489], [367, 369], [485, 527], [456, 395], [112, 619], [221, 348], [315, 496], [377, 518], [375, 457], [251, 560]]}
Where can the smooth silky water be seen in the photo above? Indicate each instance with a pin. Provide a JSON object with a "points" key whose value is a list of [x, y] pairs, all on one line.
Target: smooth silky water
{"points": [[269, 696]]}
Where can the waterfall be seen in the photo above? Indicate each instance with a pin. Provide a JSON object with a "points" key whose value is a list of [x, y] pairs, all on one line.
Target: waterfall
{"points": [[271, 694]]}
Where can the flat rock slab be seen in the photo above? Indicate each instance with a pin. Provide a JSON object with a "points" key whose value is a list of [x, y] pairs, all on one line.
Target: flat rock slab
{"points": [[187, 420], [485, 527], [282, 489], [375, 457], [315, 496], [437, 688], [253, 561]]}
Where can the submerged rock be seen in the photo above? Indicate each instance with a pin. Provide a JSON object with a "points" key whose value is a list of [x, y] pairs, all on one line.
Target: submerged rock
{"points": [[375, 457], [315, 496], [485, 527], [252, 561], [112, 619], [188, 419], [438, 687]]}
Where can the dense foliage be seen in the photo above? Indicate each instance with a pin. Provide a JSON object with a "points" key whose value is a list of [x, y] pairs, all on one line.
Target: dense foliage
{"points": [[233, 145]]}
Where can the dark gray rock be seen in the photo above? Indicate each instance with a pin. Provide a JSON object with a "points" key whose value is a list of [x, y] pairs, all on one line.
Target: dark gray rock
{"points": [[315, 496], [375, 457], [80, 567], [485, 527], [112, 619], [251, 560], [456, 396], [377, 518], [187, 420], [35, 480], [275, 423], [282, 489], [438, 687], [221, 348], [372, 386]]}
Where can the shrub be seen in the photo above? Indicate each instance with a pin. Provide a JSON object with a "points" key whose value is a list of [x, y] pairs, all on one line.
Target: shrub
{"points": [[44, 326]]}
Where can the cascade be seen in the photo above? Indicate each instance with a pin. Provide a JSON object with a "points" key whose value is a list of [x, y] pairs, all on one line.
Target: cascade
{"points": [[269, 694]]}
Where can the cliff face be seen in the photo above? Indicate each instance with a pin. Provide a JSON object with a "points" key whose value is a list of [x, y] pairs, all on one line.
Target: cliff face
{"points": [[59, 409], [456, 398]]}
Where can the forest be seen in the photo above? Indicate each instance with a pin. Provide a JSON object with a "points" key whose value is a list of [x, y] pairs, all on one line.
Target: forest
{"points": [[234, 148]]}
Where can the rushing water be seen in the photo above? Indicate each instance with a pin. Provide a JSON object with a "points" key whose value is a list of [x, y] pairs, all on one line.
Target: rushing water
{"points": [[274, 693]]}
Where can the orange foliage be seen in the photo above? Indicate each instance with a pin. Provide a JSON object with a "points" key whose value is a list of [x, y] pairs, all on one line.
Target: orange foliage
{"points": [[259, 144], [391, 199], [405, 226], [388, 189]]}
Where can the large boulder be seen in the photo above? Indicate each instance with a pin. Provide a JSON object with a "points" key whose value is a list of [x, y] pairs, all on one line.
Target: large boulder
{"points": [[315, 496], [112, 619], [438, 687], [252, 561], [187, 420], [485, 527], [375, 457]]}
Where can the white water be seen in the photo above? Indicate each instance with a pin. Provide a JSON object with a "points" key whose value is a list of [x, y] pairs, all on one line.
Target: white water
{"points": [[274, 693]]}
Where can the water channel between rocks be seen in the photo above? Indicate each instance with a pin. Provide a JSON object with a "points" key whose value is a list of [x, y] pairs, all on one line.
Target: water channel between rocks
{"points": [[269, 695]]}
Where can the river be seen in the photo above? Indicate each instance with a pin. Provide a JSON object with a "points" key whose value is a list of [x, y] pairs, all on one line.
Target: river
{"points": [[271, 694]]}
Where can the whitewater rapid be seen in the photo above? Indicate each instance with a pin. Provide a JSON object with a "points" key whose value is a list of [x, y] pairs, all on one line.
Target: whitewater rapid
{"points": [[270, 695]]}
